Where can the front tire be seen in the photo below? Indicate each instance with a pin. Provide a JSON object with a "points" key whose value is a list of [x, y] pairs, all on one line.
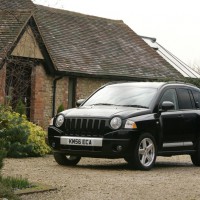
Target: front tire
{"points": [[143, 153], [66, 160]]}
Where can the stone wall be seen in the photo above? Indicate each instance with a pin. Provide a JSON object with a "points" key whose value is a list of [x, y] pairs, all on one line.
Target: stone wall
{"points": [[42, 96], [37, 95], [62, 93]]}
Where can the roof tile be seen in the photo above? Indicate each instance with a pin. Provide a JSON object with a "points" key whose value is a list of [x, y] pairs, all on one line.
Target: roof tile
{"points": [[84, 44], [10, 27], [16, 5], [93, 45]]}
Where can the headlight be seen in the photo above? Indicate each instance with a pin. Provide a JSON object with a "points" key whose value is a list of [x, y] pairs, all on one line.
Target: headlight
{"points": [[130, 124], [59, 120], [115, 122]]}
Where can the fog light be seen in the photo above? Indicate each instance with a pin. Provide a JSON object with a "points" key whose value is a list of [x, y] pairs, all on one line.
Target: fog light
{"points": [[119, 148]]}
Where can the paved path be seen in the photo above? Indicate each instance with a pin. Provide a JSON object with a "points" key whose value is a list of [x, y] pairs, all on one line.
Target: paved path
{"points": [[172, 178]]}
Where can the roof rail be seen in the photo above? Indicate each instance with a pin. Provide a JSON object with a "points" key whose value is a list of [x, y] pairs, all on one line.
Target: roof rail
{"points": [[181, 82]]}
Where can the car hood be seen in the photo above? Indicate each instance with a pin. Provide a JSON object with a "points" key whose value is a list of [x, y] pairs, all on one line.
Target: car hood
{"points": [[105, 111]]}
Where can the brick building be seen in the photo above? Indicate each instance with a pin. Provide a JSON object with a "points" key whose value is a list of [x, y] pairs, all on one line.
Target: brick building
{"points": [[59, 56]]}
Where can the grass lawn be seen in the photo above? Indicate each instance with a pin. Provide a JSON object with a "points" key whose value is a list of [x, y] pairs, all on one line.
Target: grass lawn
{"points": [[9, 184], [6, 192]]}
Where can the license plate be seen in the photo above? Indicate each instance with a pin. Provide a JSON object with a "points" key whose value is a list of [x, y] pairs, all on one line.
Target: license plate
{"points": [[81, 141]]}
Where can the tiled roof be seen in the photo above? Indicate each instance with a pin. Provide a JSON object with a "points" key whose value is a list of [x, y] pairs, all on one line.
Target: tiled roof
{"points": [[11, 24], [98, 46], [84, 44], [16, 5]]}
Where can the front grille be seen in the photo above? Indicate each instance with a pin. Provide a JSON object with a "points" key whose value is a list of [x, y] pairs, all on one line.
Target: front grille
{"points": [[86, 127]]}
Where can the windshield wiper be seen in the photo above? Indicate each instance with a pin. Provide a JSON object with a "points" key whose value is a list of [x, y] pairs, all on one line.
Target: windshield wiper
{"points": [[109, 104], [103, 104], [136, 106]]}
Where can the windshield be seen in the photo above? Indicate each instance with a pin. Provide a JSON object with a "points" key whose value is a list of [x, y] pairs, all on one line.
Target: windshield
{"points": [[122, 95]]}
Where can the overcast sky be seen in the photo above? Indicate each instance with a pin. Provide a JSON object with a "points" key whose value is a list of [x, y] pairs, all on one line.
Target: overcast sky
{"points": [[174, 23]]}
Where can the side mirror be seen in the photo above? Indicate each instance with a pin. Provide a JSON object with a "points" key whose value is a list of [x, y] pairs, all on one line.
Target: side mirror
{"points": [[79, 102], [167, 105]]}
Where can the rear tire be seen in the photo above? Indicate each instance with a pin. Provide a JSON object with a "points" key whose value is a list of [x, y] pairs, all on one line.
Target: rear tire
{"points": [[66, 160], [196, 156], [143, 153]]}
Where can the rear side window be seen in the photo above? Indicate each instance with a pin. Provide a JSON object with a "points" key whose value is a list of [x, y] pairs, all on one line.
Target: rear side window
{"points": [[184, 99], [196, 96]]}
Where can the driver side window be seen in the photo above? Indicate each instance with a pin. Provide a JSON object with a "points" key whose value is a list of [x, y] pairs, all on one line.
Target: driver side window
{"points": [[170, 95]]}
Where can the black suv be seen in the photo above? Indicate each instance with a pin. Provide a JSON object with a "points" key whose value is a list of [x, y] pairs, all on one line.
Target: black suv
{"points": [[136, 121]]}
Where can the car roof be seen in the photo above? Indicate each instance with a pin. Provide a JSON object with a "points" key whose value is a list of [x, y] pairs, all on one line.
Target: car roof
{"points": [[137, 84], [150, 84]]}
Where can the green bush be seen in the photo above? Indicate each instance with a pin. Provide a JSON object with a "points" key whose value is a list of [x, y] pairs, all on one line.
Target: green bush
{"points": [[20, 107], [15, 182], [2, 144], [37, 140], [194, 81], [2, 156], [19, 137], [7, 193], [60, 108]]}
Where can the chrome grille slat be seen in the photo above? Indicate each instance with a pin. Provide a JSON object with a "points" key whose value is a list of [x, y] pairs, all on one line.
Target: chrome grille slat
{"points": [[86, 127]]}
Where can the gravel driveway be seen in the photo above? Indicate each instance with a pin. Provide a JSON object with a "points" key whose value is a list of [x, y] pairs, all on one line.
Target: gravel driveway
{"points": [[171, 178]]}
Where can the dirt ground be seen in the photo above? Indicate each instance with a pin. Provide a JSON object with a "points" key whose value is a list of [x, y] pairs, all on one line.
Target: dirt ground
{"points": [[171, 178]]}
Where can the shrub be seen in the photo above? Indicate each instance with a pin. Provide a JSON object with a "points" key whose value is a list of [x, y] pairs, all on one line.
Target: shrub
{"points": [[2, 144], [19, 137], [60, 108], [37, 140], [20, 107], [194, 81], [2, 156], [15, 182], [7, 193], [14, 133]]}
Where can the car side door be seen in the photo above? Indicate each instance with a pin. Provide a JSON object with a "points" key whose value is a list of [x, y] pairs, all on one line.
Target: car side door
{"points": [[196, 96], [171, 121], [190, 117]]}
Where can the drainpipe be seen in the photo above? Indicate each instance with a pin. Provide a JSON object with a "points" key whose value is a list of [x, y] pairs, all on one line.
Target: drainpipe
{"points": [[54, 94]]}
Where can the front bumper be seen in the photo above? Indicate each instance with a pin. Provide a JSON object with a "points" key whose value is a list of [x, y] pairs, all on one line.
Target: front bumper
{"points": [[116, 144]]}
